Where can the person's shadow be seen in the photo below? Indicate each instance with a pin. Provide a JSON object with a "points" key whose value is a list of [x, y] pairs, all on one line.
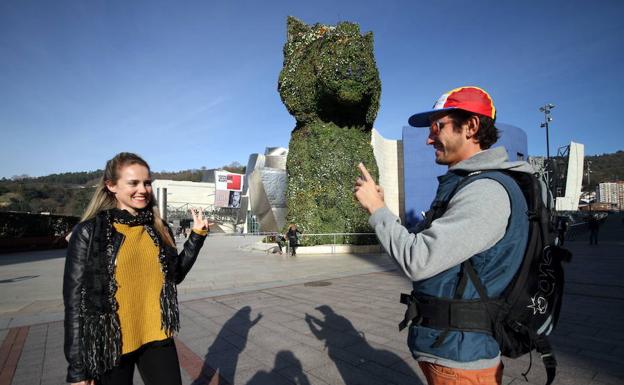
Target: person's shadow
{"points": [[222, 356], [289, 368], [339, 333]]}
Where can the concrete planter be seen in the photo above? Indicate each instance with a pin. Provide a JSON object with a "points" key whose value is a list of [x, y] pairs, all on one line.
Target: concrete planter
{"points": [[324, 249]]}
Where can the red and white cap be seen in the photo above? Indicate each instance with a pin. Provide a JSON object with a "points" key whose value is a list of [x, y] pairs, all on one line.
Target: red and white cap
{"points": [[471, 99]]}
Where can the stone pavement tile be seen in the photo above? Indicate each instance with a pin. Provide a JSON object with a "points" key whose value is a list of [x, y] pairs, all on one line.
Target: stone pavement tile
{"points": [[608, 359], [59, 380], [200, 326], [230, 360], [607, 379], [208, 307], [240, 300], [299, 327], [137, 380], [18, 320], [340, 339], [619, 351], [570, 328], [613, 332], [186, 378], [193, 332], [296, 376], [567, 372], [367, 322], [259, 376], [274, 314], [266, 356], [201, 346], [29, 379], [341, 354], [387, 374], [374, 337], [306, 339], [391, 338], [240, 374], [594, 344], [307, 357], [235, 339], [375, 353], [521, 381], [341, 373], [271, 343]]}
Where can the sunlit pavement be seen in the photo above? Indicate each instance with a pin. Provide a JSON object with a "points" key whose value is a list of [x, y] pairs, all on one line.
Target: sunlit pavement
{"points": [[256, 318]]}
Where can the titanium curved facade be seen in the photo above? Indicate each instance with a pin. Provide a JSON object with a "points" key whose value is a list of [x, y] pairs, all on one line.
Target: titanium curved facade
{"points": [[266, 183]]}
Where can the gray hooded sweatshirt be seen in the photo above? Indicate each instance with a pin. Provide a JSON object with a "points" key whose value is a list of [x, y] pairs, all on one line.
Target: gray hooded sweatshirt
{"points": [[482, 206]]}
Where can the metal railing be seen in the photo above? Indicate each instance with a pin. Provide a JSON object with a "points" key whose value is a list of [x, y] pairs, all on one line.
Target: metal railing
{"points": [[333, 240]]}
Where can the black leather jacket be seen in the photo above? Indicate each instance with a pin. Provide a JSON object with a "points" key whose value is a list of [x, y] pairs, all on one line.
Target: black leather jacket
{"points": [[77, 254]]}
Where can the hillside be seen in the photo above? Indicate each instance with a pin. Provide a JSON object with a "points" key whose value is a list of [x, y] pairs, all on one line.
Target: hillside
{"points": [[69, 193], [605, 168]]}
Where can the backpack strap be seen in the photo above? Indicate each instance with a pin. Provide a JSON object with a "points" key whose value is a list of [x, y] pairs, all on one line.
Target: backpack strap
{"points": [[454, 314], [542, 345]]}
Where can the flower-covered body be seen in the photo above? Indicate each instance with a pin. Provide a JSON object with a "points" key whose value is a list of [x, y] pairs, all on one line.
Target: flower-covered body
{"points": [[331, 85]]}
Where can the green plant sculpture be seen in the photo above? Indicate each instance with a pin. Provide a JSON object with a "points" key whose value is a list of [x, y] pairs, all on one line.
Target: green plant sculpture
{"points": [[331, 85]]}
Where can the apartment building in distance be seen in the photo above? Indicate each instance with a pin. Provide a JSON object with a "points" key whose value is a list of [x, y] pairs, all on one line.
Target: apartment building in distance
{"points": [[611, 192]]}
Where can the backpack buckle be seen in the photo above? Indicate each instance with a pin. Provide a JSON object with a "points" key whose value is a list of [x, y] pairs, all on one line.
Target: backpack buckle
{"points": [[412, 315]]}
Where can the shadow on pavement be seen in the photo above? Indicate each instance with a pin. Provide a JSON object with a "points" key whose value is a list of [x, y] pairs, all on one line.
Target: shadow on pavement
{"points": [[31, 256], [386, 365], [222, 356], [294, 372]]}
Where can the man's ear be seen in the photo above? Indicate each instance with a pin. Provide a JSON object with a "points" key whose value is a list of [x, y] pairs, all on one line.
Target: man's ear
{"points": [[473, 127]]}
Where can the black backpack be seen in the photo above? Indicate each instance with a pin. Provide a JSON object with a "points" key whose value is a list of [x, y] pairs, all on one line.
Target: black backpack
{"points": [[528, 309]]}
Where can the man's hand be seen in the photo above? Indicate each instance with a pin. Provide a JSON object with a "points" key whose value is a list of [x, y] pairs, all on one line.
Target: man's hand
{"points": [[369, 194]]}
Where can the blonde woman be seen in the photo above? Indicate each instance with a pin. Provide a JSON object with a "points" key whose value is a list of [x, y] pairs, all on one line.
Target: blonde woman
{"points": [[119, 285]]}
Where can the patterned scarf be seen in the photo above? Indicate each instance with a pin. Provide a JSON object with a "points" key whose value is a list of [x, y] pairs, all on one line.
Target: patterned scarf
{"points": [[100, 322]]}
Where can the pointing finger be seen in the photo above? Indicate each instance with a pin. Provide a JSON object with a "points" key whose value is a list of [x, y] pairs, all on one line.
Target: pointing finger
{"points": [[367, 176]]}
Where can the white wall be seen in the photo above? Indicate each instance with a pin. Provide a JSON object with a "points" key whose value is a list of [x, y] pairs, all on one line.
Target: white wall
{"points": [[180, 193], [387, 154], [574, 179]]}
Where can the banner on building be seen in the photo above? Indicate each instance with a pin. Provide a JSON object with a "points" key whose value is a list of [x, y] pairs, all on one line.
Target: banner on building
{"points": [[228, 188]]}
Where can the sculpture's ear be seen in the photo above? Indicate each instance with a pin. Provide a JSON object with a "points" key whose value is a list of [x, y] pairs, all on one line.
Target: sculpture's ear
{"points": [[368, 37], [295, 28]]}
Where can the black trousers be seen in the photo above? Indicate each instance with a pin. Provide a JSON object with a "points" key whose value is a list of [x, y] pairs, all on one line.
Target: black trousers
{"points": [[157, 362], [292, 243]]}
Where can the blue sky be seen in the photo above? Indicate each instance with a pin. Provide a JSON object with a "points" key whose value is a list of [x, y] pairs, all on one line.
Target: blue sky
{"points": [[194, 83]]}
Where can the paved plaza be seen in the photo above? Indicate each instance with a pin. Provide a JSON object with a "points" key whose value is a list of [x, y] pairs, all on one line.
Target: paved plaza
{"points": [[253, 318]]}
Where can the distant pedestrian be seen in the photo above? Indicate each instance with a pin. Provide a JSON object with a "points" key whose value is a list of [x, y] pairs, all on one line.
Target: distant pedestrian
{"points": [[562, 227], [594, 226], [280, 240], [119, 285], [293, 239]]}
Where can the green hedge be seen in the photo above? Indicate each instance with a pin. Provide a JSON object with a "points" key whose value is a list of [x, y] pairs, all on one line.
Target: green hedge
{"points": [[24, 231], [322, 168]]}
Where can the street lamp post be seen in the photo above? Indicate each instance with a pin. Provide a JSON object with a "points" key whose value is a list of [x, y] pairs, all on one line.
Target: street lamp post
{"points": [[547, 119], [548, 166]]}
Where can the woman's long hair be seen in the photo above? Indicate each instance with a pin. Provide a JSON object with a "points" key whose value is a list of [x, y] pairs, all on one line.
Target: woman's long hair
{"points": [[104, 199]]}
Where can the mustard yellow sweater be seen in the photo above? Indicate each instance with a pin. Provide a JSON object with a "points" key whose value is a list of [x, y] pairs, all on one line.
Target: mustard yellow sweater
{"points": [[139, 283]]}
